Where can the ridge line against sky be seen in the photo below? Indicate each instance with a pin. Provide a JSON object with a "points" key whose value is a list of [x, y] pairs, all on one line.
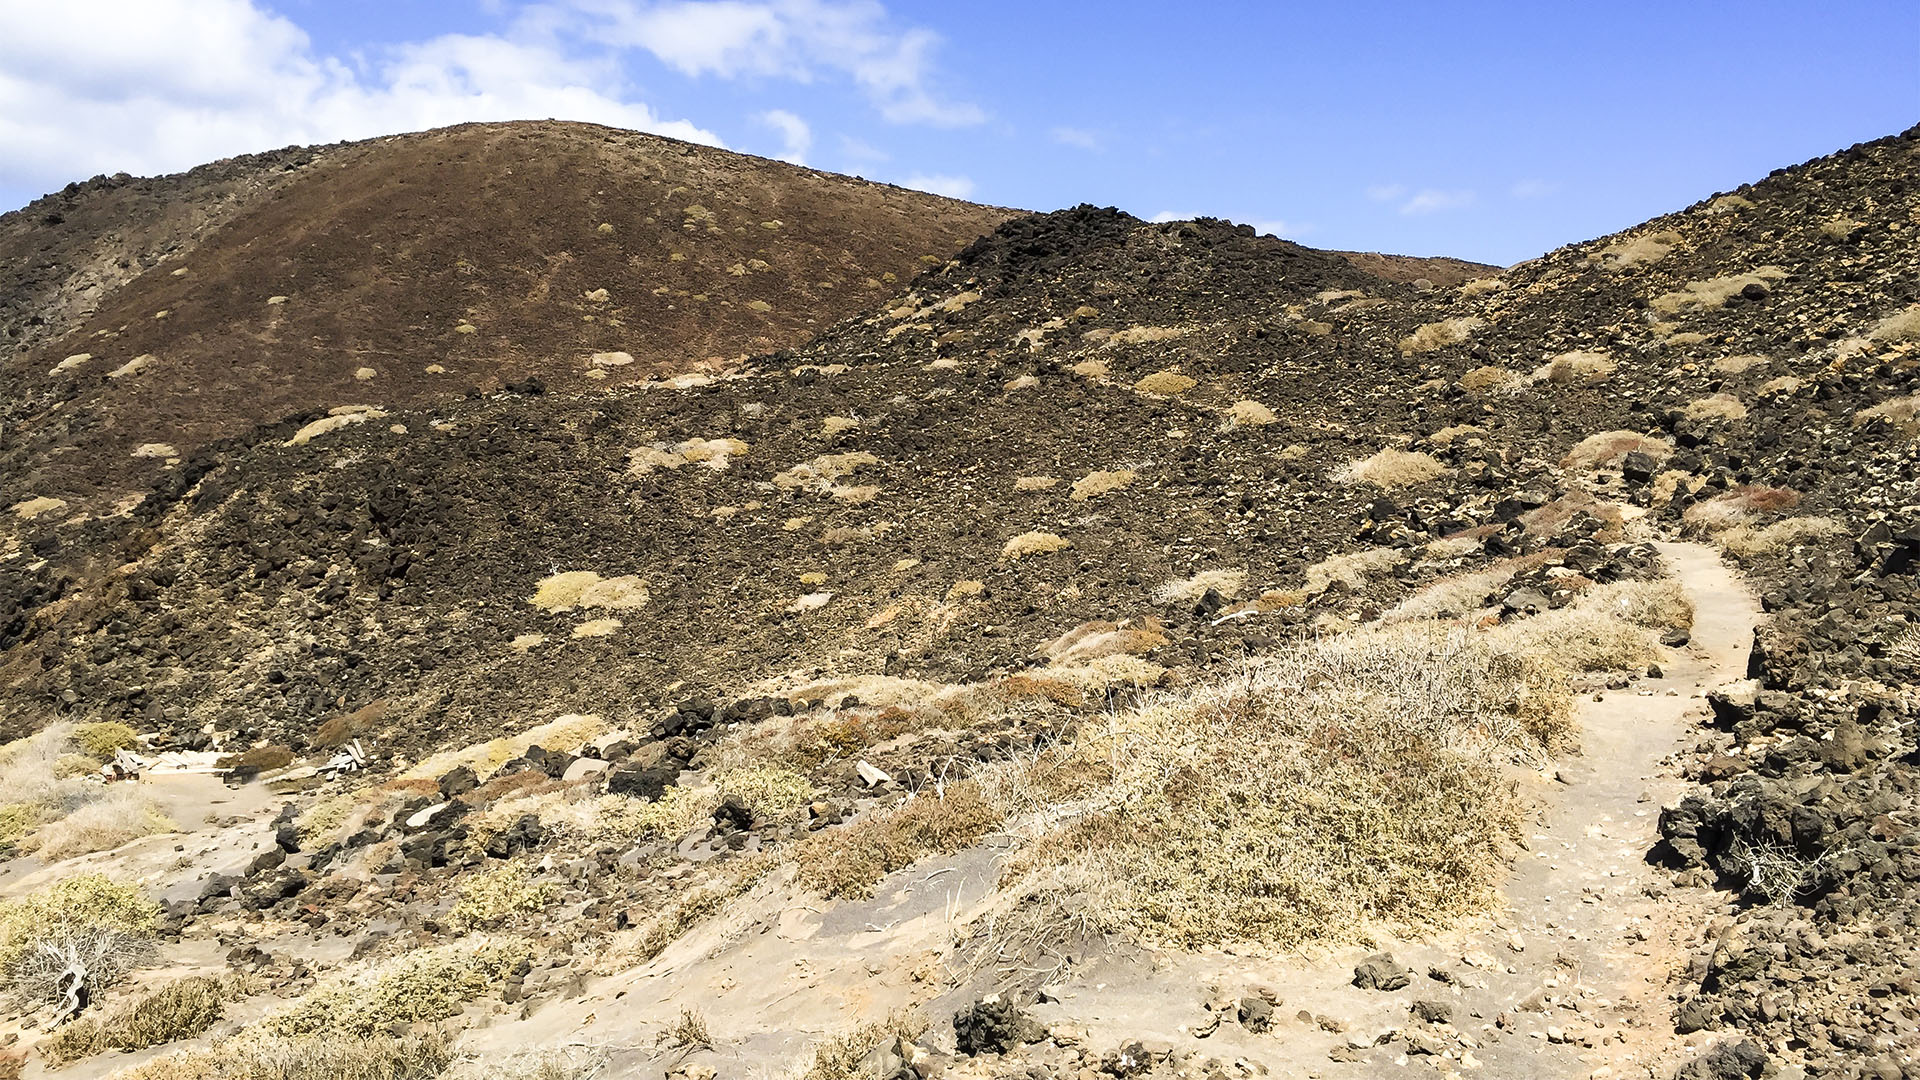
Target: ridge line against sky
{"points": [[1487, 131]]}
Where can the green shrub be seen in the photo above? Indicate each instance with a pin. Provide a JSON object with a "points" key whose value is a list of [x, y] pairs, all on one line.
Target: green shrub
{"points": [[179, 1010], [494, 897], [425, 985], [89, 901], [104, 740]]}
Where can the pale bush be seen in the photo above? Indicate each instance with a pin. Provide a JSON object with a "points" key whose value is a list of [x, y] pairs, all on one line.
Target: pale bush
{"points": [[121, 814], [328, 1056], [1716, 407], [1228, 583], [1439, 335], [1780, 536], [1390, 469], [1483, 286], [1339, 783], [1462, 594], [499, 895], [715, 454], [562, 733], [1713, 292], [1784, 384], [1143, 335], [89, 917], [1352, 569], [1657, 604], [1608, 448], [1738, 365], [1490, 379], [1033, 543], [1166, 384], [1902, 412], [1576, 369], [427, 985], [1643, 250], [823, 472], [541, 1063], [1249, 414]]}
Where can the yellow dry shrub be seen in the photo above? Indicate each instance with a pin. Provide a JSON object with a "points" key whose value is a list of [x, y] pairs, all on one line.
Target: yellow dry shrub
{"points": [[89, 901], [423, 985], [118, 816], [1488, 379], [1607, 448], [1901, 412], [1143, 335], [851, 860], [1713, 292], [715, 454], [821, 473], [561, 733], [1576, 369], [1716, 407], [254, 1056], [1334, 785], [1390, 469], [499, 895], [1352, 569], [1028, 544], [1748, 541], [1165, 384], [1034, 483], [1439, 335], [1483, 286], [1249, 414], [1643, 250], [1738, 365], [1101, 482], [1228, 583], [586, 589]]}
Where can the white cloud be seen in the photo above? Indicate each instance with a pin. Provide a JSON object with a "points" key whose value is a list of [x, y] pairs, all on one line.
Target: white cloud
{"points": [[158, 85], [955, 187], [1079, 138], [797, 40], [794, 133], [1533, 189], [1433, 200]]}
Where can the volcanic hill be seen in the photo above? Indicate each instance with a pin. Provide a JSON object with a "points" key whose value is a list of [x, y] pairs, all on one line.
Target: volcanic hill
{"points": [[1128, 648]]}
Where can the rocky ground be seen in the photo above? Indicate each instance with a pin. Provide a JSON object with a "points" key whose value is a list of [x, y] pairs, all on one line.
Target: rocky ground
{"points": [[1084, 458]]}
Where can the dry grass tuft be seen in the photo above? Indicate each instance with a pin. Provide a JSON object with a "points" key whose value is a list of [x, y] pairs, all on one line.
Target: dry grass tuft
{"points": [[1228, 583], [424, 985], [1390, 469], [1902, 413], [1249, 414], [1483, 286], [849, 861], [1033, 543], [562, 733], [1716, 407], [313, 1057], [1738, 365], [1094, 640], [120, 815], [179, 1010], [1165, 384], [1145, 335], [844, 1056], [1490, 379], [1576, 369], [1713, 292], [586, 589], [1439, 335], [715, 454], [1747, 541], [1644, 250], [1339, 783], [823, 472], [1100, 482], [1034, 483], [1742, 506], [1609, 448], [1352, 569]]}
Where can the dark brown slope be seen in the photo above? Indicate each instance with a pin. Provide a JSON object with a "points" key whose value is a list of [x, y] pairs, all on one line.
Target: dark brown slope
{"points": [[417, 266]]}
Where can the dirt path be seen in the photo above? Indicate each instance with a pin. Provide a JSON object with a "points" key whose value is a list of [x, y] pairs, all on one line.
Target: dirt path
{"points": [[1571, 979]]}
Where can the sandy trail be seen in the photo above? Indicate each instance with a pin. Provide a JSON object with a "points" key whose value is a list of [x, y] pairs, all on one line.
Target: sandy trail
{"points": [[1569, 979]]}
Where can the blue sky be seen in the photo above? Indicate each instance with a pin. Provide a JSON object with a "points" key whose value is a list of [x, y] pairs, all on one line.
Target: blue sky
{"points": [[1489, 131]]}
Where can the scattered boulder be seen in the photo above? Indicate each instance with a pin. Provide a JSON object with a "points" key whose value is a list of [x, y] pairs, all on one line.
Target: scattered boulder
{"points": [[993, 1026], [1381, 972]]}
